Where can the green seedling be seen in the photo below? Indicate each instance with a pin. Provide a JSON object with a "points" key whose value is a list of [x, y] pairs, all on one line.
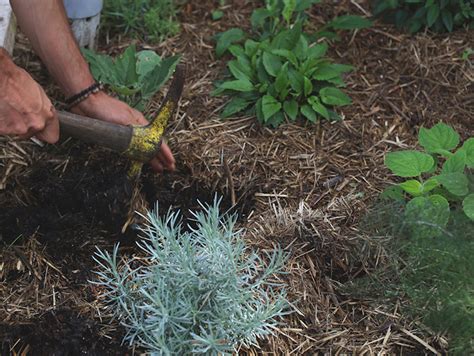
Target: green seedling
{"points": [[437, 15], [439, 177], [150, 20], [134, 76]]}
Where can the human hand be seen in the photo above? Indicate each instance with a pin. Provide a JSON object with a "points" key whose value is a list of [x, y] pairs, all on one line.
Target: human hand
{"points": [[25, 110], [104, 107]]}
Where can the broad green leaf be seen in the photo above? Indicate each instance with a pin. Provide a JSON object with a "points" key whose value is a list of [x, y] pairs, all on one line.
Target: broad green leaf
{"points": [[101, 67], [238, 71], [262, 74], [272, 63], [282, 81], [439, 137], [337, 81], [302, 5], [430, 184], [234, 106], [270, 106], [468, 206], [258, 17], [238, 52], [333, 96], [408, 163], [288, 39], [308, 86], [126, 67], [455, 163], [393, 192], [415, 26], [432, 14], [455, 183], [334, 116], [217, 15], [318, 107], [448, 20], [412, 187], [288, 55], [238, 85], [427, 217], [468, 148], [154, 80], [328, 71], [291, 109], [309, 113], [318, 50], [251, 47], [146, 62], [301, 48], [288, 9], [276, 120], [349, 22], [226, 39], [296, 81]]}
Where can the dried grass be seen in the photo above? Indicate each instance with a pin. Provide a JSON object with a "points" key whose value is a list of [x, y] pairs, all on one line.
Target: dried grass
{"points": [[311, 184]]}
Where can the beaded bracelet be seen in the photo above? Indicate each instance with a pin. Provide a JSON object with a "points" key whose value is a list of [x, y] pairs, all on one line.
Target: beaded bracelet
{"points": [[83, 95]]}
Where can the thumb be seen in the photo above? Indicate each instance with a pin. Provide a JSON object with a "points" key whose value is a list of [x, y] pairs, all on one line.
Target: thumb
{"points": [[50, 133]]}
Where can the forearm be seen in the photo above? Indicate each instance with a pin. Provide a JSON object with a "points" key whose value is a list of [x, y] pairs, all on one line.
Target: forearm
{"points": [[45, 24]]}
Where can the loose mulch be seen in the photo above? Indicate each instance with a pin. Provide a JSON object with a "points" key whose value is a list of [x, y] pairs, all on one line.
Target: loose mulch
{"points": [[303, 187]]}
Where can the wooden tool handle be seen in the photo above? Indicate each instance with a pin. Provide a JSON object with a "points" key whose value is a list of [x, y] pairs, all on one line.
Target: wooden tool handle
{"points": [[113, 136]]}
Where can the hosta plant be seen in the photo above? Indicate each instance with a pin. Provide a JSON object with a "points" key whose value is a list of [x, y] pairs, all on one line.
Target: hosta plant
{"points": [[278, 71], [437, 15], [438, 179], [194, 290], [134, 76]]}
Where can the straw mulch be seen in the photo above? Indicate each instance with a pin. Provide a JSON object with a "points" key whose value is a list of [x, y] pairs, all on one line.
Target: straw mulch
{"points": [[308, 186]]}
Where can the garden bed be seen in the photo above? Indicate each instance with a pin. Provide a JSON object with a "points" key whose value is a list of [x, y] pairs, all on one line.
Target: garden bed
{"points": [[305, 187]]}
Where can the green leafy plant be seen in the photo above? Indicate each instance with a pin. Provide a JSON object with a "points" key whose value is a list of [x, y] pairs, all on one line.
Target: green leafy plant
{"points": [[134, 76], [196, 290], [467, 54], [278, 15], [437, 15], [280, 72], [440, 178], [431, 273], [152, 20]]}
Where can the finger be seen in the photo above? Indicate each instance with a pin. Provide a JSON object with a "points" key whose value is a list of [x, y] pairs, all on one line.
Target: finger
{"points": [[50, 132], [138, 118], [165, 156], [156, 166]]}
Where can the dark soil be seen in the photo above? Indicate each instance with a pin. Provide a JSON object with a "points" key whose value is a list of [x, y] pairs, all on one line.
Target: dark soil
{"points": [[58, 333], [71, 212]]}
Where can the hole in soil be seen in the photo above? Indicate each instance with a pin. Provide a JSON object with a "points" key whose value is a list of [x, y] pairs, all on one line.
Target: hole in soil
{"points": [[90, 200]]}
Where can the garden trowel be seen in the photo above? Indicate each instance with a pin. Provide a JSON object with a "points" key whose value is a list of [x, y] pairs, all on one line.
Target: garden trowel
{"points": [[140, 143]]}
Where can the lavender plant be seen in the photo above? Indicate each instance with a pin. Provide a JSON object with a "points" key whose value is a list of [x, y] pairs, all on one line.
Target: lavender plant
{"points": [[196, 290]]}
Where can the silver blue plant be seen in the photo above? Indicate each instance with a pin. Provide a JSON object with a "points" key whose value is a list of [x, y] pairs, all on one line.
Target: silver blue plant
{"points": [[196, 290]]}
